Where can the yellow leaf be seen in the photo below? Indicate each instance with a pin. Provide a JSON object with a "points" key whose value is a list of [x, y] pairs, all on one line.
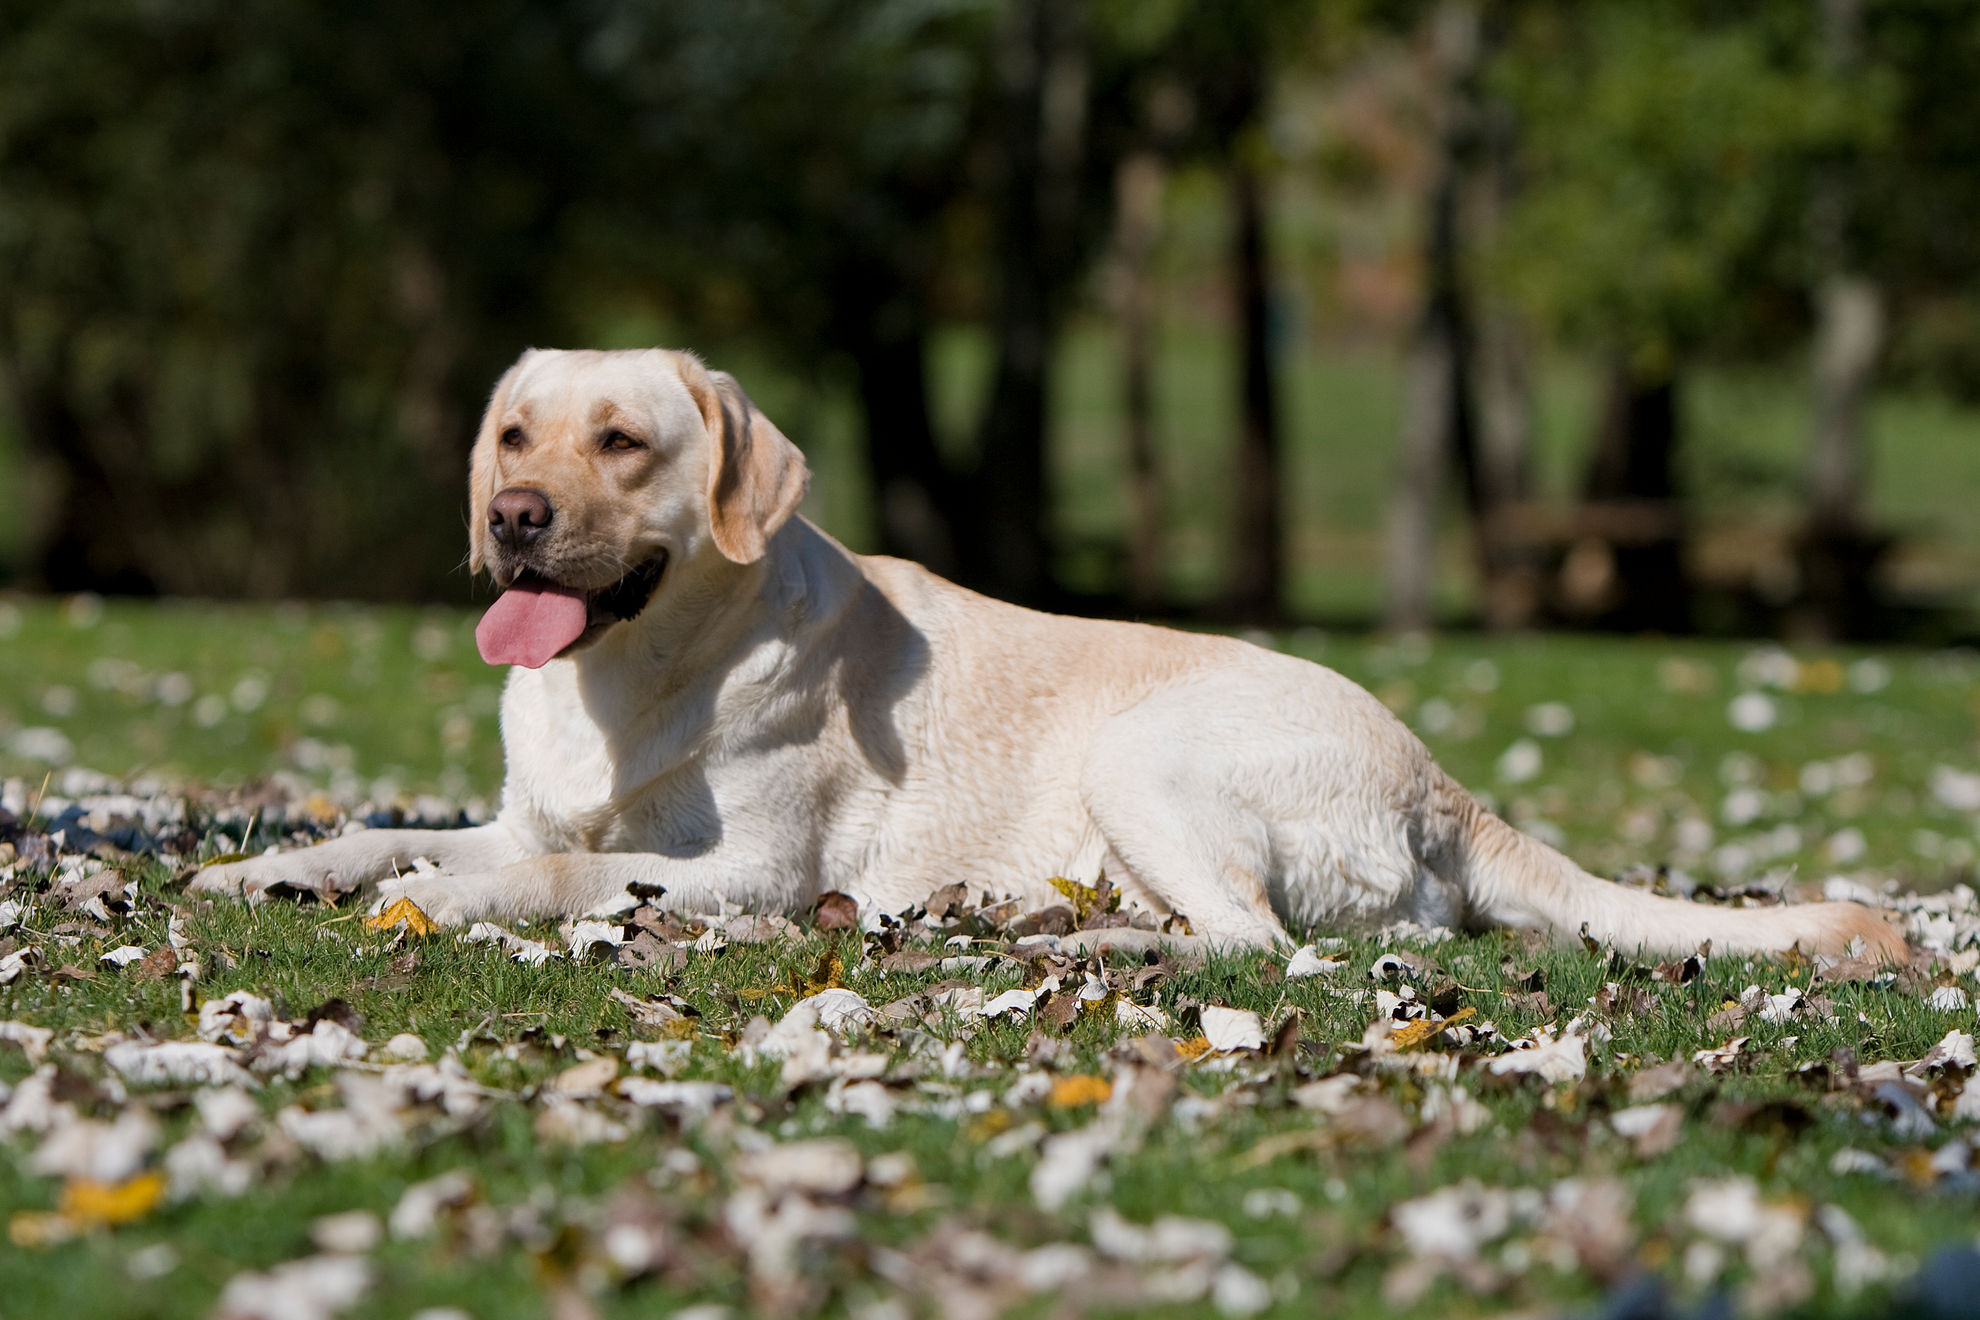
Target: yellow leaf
{"points": [[829, 975], [38, 1228], [1193, 1049], [990, 1124], [1412, 1034], [402, 912], [1085, 899], [223, 859], [1072, 1092], [88, 1204]]}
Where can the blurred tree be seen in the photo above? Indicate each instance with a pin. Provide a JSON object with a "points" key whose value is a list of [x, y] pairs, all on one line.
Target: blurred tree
{"points": [[806, 167], [1666, 146], [1438, 423], [255, 266], [1044, 75], [1838, 552]]}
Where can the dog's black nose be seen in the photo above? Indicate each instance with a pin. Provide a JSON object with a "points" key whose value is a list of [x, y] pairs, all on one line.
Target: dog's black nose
{"points": [[518, 516]]}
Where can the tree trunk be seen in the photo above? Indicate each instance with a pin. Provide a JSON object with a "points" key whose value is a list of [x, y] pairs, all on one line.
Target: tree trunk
{"points": [[1626, 570], [84, 545], [1258, 559], [913, 492], [1437, 423], [1838, 552], [1511, 567], [1139, 186], [1044, 75]]}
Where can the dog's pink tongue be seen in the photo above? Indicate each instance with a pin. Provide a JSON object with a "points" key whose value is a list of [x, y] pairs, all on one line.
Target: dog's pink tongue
{"points": [[529, 624]]}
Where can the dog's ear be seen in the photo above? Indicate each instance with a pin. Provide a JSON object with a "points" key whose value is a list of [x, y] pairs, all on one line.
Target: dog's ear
{"points": [[756, 477], [481, 466]]}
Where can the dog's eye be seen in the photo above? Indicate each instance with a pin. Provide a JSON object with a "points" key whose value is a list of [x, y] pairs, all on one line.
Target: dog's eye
{"points": [[513, 437], [619, 440]]}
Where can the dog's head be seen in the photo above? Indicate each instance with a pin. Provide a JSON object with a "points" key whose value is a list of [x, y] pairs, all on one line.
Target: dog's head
{"points": [[599, 477]]}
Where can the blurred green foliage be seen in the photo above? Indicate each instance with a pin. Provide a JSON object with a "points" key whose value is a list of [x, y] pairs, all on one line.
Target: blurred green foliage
{"points": [[258, 267]]}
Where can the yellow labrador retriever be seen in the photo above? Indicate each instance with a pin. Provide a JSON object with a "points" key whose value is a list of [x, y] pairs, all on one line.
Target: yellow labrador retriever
{"points": [[712, 697]]}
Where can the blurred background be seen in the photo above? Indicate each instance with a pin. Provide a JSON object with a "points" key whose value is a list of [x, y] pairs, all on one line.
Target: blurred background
{"points": [[1657, 315]]}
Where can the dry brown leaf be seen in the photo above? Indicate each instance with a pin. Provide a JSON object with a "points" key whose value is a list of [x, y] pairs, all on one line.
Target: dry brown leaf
{"points": [[835, 911]]}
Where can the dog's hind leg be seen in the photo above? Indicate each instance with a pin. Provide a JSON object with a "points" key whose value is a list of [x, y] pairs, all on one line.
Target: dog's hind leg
{"points": [[1163, 803]]}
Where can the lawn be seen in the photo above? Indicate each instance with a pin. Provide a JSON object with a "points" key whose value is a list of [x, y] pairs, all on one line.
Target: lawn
{"points": [[1422, 1125]]}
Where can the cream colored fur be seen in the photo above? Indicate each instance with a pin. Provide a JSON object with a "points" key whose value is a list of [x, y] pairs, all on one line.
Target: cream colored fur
{"points": [[787, 718]]}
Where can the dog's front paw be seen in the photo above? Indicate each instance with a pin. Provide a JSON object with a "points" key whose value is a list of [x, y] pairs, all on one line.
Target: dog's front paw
{"points": [[254, 877], [446, 900]]}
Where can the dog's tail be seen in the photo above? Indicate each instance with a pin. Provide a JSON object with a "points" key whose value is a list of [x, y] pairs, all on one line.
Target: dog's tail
{"points": [[1513, 879]]}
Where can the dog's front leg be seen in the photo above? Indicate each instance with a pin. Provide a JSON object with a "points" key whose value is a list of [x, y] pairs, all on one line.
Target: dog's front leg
{"points": [[574, 885], [364, 858]]}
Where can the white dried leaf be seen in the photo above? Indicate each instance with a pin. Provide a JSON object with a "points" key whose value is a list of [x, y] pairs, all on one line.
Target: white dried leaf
{"points": [[327, 1045], [587, 1078], [368, 1124], [839, 1010], [351, 1233], [1232, 1029], [1170, 1240], [1454, 1223], [824, 1167], [1329, 1095], [1552, 1060], [33, 1040], [123, 955], [595, 939], [665, 1057], [1306, 961], [101, 1152], [1947, 999], [1954, 1050], [1019, 1002], [690, 1100], [1236, 1291], [238, 1018], [530, 953], [1068, 1162], [1723, 1058], [964, 1001], [867, 1099], [403, 1048], [576, 1124], [1730, 1210], [32, 1106], [177, 1063], [315, 1288], [225, 1111], [200, 1166], [420, 1205]]}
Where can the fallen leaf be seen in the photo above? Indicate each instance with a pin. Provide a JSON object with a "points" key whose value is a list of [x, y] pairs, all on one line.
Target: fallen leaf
{"points": [[1231, 1029], [402, 913], [828, 975], [90, 1204], [1411, 1035], [835, 911], [1072, 1092]]}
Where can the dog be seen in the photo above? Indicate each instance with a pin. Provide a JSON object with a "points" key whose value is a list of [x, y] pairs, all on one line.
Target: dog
{"points": [[711, 698]]}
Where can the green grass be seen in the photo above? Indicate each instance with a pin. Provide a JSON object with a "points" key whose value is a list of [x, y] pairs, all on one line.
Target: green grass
{"points": [[300, 956], [1651, 743]]}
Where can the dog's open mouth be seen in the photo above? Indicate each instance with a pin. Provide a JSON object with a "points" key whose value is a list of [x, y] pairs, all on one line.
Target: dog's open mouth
{"points": [[536, 620]]}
